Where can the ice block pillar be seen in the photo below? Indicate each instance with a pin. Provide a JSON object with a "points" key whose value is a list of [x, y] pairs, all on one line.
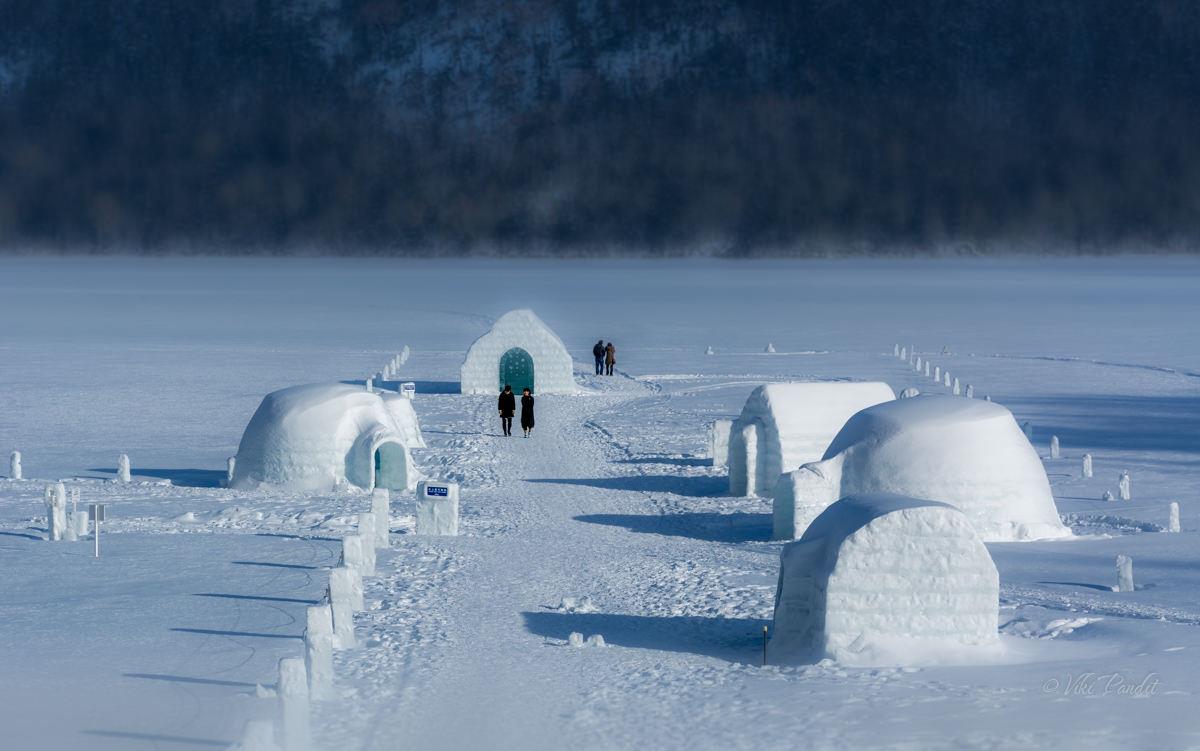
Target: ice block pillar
{"points": [[341, 606], [366, 530], [354, 554], [381, 507], [56, 511], [718, 442], [437, 508], [293, 699], [318, 651], [1124, 573]]}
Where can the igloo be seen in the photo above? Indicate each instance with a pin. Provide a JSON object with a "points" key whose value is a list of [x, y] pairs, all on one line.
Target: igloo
{"points": [[316, 437], [521, 351], [882, 579], [784, 425], [968, 453]]}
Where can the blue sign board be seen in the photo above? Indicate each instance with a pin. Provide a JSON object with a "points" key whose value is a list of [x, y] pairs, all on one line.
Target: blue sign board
{"points": [[437, 490]]}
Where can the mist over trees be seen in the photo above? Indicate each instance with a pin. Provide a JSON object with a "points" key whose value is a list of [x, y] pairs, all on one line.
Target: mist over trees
{"points": [[792, 126]]}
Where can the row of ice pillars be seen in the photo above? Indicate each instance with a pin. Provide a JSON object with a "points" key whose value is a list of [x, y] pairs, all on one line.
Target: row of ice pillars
{"points": [[330, 625], [390, 371]]}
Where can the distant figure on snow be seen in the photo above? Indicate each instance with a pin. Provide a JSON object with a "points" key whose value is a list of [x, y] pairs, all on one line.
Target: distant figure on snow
{"points": [[598, 354], [610, 357], [508, 405], [527, 412]]}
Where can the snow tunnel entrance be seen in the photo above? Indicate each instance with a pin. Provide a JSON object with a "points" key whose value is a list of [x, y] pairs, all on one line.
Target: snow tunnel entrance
{"points": [[516, 369], [391, 466]]}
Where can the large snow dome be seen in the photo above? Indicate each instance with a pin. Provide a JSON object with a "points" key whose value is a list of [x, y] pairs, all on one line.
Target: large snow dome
{"points": [[521, 351], [784, 425], [966, 452], [315, 437], [882, 579]]}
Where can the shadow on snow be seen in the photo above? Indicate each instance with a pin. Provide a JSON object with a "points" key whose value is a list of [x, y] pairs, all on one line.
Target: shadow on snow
{"points": [[193, 680], [183, 478], [257, 598], [733, 639], [156, 738], [688, 461], [713, 527], [677, 484]]}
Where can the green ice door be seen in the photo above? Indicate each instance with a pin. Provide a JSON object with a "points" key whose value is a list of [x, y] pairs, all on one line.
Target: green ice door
{"points": [[516, 369]]}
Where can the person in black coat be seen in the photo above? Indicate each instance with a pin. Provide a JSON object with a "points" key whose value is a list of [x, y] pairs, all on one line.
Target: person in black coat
{"points": [[508, 405], [598, 354], [527, 412]]}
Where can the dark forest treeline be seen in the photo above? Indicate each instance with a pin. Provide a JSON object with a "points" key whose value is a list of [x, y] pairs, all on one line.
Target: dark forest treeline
{"points": [[800, 126]]}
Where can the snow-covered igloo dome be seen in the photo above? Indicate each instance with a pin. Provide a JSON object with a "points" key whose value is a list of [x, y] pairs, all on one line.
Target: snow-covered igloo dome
{"points": [[965, 452], [882, 579], [521, 351], [784, 425], [315, 437]]}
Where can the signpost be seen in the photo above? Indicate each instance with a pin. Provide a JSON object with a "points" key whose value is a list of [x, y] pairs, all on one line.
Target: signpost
{"points": [[96, 514]]}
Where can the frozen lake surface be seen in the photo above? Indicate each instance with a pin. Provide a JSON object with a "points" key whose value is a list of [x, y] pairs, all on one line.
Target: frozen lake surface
{"points": [[170, 639]]}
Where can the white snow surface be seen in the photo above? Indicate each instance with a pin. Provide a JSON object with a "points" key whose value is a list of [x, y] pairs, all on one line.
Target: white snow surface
{"points": [[171, 639], [524, 330], [797, 421], [881, 579], [317, 436], [966, 452]]}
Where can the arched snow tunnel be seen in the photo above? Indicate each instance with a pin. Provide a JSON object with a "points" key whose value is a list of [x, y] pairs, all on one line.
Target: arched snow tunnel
{"points": [[516, 370], [784, 425]]}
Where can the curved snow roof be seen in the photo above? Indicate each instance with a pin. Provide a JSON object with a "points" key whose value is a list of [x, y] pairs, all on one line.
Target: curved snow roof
{"points": [[317, 436], [880, 578], [519, 329], [965, 452], [807, 415]]}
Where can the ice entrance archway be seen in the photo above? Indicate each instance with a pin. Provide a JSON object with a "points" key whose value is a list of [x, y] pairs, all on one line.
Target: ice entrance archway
{"points": [[389, 467], [516, 369]]}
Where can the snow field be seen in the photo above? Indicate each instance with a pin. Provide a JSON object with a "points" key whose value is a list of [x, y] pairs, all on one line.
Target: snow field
{"points": [[616, 503]]}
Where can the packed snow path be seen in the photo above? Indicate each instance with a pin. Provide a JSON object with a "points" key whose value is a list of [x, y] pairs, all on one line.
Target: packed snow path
{"points": [[498, 671]]}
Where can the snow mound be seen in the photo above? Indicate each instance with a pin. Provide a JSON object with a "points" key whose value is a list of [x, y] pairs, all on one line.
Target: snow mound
{"points": [[524, 348], [784, 425], [319, 436], [968, 453], [881, 579]]}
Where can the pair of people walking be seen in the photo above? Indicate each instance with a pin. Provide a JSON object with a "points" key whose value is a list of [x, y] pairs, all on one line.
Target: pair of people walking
{"points": [[508, 408], [605, 356]]}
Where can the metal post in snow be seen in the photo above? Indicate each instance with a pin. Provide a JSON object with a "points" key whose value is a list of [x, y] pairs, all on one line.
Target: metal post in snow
{"points": [[96, 512]]}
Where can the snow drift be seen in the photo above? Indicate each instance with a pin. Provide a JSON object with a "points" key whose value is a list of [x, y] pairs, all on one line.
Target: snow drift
{"points": [[882, 579], [784, 425], [319, 436], [969, 453], [520, 350]]}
